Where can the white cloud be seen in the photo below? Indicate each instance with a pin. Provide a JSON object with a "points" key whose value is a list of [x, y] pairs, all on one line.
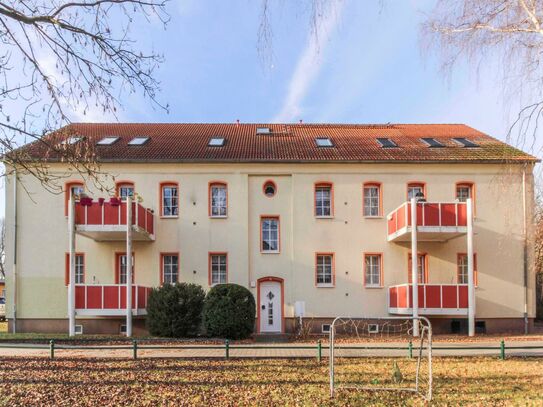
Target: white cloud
{"points": [[309, 64]]}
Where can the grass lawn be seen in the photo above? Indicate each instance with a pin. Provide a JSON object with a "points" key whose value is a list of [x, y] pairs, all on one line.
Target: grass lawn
{"points": [[480, 381]]}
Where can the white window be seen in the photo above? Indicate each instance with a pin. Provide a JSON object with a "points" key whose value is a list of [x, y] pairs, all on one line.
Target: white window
{"points": [[415, 191], [125, 191], [263, 130], [462, 269], [325, 264], [216, 142], [463, 192], [219, 200], [323, 200], [421, 266], [324, 142], [138, 141], [373, 270], [71, 140], [371, 200], [76, 190], [170, 268], [79, 269], [218, 272], [170, 200], [122, 268], [270, 234], [107, 141]]}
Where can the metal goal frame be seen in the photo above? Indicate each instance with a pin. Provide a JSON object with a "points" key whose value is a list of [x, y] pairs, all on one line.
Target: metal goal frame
{"points": [[425, 334]]}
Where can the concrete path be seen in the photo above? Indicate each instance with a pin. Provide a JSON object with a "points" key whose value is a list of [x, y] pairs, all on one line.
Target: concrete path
{"points": [[273, 350]]}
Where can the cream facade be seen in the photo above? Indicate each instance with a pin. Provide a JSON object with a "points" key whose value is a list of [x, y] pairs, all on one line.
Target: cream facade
{"points": [[503, 203]]}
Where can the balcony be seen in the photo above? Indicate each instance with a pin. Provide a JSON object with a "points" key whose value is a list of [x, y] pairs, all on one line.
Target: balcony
{"points": [[106, 221], [436, 222], [434, 299], [109, 299]]}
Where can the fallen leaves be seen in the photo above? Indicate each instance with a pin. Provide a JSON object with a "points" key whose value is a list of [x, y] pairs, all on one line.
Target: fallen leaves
{"points": [[266, 382]]}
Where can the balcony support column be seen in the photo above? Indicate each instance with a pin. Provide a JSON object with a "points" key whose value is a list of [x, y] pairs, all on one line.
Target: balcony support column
{"points": [[71, 282], [128, 266], [471, 276], [414, 267]]}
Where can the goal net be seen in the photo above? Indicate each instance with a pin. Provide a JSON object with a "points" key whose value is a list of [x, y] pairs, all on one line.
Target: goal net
{"points": [[381, 354]]}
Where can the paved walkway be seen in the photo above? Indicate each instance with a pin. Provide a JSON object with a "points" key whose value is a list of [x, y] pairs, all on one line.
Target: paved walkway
{"points": [[272, 350]]}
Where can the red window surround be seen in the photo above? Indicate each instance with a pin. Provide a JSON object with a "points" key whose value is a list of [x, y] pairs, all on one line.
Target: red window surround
{"points": [[373, 184], [413, 184], [213, 184], [409, 265], [161, 271], [333, 255], [475, 276], [325, 185], [380, 254], [209, 265], [67, 188], [160, 198]]}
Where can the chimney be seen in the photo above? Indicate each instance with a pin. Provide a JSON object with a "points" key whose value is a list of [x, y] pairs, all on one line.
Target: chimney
{"points": [[301, 121], [237, 122]]}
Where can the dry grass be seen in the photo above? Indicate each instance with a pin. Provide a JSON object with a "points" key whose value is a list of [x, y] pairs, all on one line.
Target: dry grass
{"points": [[468, 381]]}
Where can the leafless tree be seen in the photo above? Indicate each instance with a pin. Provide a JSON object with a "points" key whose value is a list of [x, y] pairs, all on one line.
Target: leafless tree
{"points": [[507, 34], [60, 56]]}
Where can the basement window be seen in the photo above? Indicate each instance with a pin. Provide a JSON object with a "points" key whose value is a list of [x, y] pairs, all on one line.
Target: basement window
{"points": [[386, 142], [373, 328], [324, 142], [263, 130], [216, 142], [79, 329], [325, 328], [432, 142], [464, 142], [122, 329], [138, 141], [107, 141]]}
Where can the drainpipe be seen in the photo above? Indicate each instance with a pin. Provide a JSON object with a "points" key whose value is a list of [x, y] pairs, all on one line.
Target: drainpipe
{"points": [[71, 282], [14, 324], [129, 266], [471, 274], [414, 267], [525, 247]]}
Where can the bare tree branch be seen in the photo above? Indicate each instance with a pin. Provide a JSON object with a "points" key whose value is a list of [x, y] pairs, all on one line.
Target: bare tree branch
{"points": [[61, 57]]}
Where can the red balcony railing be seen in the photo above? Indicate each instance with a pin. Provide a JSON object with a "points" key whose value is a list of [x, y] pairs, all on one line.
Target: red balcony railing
{"points": [[104, 214], [432, 217], [434, 299], [109, 299]]}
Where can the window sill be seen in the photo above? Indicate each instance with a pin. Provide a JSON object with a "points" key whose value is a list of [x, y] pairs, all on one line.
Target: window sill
{"points": [[219, 217], [169, 216], [270, 252], [373, 287], [325, 286], [324, 217], [374, 217]]}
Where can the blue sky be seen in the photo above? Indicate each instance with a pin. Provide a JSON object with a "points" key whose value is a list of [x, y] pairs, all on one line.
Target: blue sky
{"points": [[367, 66]]}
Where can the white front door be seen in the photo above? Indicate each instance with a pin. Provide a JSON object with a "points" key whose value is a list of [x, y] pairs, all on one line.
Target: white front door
{"points": [[270, 306]]}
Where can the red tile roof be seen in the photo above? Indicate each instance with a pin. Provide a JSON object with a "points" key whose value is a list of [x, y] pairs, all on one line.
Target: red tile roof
{"points": [[172, 142]]}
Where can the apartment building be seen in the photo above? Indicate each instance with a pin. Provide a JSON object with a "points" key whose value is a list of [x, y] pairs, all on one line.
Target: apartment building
{"points": [[315, 219]]}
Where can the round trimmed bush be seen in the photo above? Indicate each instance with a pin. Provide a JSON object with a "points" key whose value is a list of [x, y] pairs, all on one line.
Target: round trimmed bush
{"points": [[175, 311], [229, 312]]}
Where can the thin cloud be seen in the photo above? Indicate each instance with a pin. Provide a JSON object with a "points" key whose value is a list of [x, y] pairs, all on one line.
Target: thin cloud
{"points": [[309, 64]]}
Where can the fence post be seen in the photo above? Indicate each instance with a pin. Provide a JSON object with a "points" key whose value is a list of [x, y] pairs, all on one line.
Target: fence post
{"points": [[227, 348], [135, 349], [319, 351], [410, 349], [502, 350], [52, 348]]}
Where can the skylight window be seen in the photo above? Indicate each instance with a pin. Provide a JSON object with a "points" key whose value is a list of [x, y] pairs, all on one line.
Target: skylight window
{"points": [[263, 130], [138, 141], [107, 141], [464, 142], [432, 142], [386, 142], [324, 142], [71, 140], [216, 142]]}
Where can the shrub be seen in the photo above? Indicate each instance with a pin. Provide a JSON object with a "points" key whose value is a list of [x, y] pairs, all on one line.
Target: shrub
{"points": [[229, 312], [175, 310]]}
